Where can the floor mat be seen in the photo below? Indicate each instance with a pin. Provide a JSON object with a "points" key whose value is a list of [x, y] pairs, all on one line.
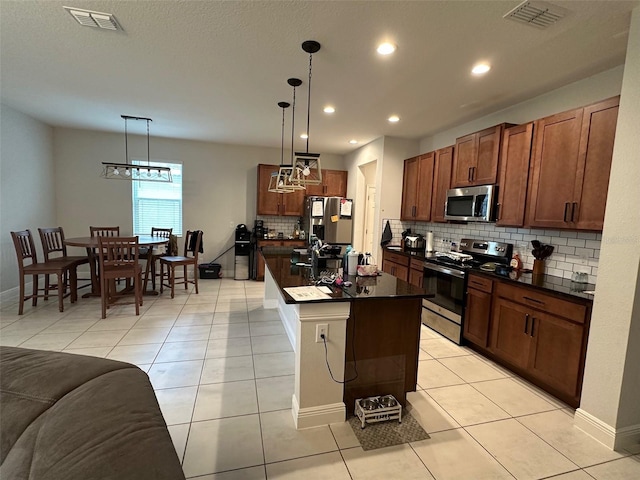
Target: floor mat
{"points": [[385, 434]]}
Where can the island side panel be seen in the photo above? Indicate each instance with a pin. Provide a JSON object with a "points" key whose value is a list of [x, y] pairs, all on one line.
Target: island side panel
{"points": [[383, 342]]}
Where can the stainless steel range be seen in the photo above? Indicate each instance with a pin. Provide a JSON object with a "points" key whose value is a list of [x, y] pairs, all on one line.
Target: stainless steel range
{"points": [[445, 274]]}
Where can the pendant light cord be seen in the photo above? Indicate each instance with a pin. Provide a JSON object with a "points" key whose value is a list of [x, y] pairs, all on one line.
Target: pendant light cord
{"points": [[282, 142], [126, 143], [148, 156], [309, 101], [293, 121]]}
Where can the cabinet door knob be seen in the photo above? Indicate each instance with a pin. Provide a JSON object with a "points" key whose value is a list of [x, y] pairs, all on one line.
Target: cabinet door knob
{"points": [[573, 211], [498, 210], [469, 175], [566, 210]]}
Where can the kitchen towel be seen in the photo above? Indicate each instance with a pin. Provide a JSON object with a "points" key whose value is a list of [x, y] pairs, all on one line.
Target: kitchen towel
{"points": [[387, 236], [429, 242]]}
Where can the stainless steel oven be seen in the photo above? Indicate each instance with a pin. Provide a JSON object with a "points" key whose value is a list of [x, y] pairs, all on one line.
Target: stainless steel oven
{"points": [[443, 312]]}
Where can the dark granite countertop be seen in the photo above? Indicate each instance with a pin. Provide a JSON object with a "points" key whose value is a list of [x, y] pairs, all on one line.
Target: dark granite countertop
{"points": [[286, 274], [547, 283]]}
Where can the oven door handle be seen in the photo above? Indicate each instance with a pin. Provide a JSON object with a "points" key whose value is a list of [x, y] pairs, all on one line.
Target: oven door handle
{"points": [[442, 269]]}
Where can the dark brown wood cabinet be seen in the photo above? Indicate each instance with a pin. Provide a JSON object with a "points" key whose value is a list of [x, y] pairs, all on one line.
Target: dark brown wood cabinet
{"points": [[478, 310], [570, 167], [476, 157], [416, 188], [543, 336], [416, 272], [334, 184], [514, 175], [269, 203], [274, 243], [395, 264], [443, 165]]}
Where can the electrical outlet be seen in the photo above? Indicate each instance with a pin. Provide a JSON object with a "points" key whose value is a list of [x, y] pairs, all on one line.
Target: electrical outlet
{"points": [[322, 329]]}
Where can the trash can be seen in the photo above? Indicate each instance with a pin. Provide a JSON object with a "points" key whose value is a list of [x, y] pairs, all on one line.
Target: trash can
{"points": [[209, 270]]}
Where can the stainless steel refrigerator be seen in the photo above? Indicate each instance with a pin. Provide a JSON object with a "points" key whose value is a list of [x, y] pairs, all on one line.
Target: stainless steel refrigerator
{"points": [[330, 219]]}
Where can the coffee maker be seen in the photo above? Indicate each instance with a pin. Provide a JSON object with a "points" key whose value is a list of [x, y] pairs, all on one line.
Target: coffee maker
{"points": [[258, 229]]}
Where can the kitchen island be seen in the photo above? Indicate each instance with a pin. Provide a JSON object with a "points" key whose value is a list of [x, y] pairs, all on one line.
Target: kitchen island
{"points": [[372, 337]]}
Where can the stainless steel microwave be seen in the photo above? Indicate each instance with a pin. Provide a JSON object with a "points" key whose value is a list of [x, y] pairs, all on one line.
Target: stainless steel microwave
{"points": [[470, 204]]}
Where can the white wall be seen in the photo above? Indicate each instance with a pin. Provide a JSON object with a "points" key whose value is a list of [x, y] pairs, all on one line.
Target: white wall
{"points": [[611, 386], [219, 184], [589, 90], [27, 194]]}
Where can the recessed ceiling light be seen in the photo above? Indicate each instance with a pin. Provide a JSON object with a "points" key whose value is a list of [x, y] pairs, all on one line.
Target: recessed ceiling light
{"points": [[386, 48], [304, 135], [480, 68], [353, 142], [329, 109], [394, 118]]}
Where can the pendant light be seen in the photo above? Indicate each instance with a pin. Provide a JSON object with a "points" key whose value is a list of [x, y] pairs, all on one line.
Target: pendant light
{"points": [[128, 171], [308, 164], [280, 182]]}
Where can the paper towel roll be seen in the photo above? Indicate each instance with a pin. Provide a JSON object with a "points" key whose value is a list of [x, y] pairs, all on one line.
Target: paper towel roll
{"points": [[429, 242]]}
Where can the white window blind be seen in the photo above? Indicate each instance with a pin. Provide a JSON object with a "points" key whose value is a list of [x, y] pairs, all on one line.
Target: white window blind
{"points": [[158, 204]]}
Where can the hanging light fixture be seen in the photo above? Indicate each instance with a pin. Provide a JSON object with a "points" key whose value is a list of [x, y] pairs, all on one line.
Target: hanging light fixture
{"points": [[280, 180], [307, 165], [129, 171]]}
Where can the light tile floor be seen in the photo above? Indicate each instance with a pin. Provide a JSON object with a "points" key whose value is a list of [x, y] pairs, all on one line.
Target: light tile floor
{"points": [[223, 371]]}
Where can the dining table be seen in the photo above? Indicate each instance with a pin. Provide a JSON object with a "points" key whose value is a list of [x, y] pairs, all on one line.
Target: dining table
{"points": [[91, 246]]}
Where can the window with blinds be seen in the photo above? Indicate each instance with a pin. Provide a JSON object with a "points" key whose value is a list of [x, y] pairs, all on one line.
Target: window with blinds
{"points": [[157, 204]]}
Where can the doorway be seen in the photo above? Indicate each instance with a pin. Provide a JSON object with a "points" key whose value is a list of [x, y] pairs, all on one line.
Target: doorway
{"points": [[369, 218]]}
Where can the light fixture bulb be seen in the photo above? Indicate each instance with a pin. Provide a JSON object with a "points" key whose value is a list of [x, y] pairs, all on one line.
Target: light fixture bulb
{"points": [[329, 109], [116, 171], [306, 171], [480, 68], [127, 172], [394, 118], [386, 48], [149, 174], [280, 183], [304, 135]]}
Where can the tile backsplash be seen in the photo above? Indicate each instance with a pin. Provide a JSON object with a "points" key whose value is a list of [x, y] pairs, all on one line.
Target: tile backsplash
{"points": [[286, 225], [573, 252]]}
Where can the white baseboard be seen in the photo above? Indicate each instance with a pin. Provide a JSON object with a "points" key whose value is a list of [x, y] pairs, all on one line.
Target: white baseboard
{"points": [[317, 416], [613, 438], [270, 303], [13, 294]]}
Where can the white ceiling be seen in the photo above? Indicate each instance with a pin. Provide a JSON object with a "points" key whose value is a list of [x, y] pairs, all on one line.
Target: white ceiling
{"points": [[215, 70]]}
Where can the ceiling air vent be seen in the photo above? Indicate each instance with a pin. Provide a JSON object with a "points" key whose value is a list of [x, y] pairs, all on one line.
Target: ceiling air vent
{"points": [[89, 18], [537, 14]]}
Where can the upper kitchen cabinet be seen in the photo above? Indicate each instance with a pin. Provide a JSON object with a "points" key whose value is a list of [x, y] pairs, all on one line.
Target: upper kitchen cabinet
{"points": [[416, 188], [269, 203], [443, 166], [570, 168], [514, 175], [476, 156], [334, 184]]}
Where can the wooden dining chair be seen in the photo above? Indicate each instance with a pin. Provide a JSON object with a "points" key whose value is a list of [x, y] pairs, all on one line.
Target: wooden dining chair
{"points": [[28, 265], [54, 248], [151, 254], [104, 231], [118, 258], [190, 258]]}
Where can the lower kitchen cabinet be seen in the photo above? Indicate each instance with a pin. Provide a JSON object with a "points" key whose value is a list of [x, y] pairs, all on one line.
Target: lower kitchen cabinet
{"points": [[543, 336], [478, 310], [395, 264], [274, 243], [416, 272]]}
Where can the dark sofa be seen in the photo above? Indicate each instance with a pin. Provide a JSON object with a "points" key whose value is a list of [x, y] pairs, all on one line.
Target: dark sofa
{"points": [[74, 417]]}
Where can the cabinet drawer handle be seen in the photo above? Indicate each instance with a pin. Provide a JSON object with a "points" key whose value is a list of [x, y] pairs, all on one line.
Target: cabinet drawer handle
{"points": [[533, 324], [476, 283], [469, 175], [534, 300], [573, 211], [566, 210], [498, 210], [526, 323], [473, 173]]}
